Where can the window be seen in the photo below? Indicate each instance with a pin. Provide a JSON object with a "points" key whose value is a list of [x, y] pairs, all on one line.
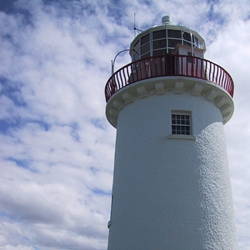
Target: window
{"points": [[181, 123], [159, 52], [174, 33], [187, 36], [158, 44], [145, 39], [145, 46], [145, 56], [172, 42], [135, 51], [159, 34], [196, 42]]}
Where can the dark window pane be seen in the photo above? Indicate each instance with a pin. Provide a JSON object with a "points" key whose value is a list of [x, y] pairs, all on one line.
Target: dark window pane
{"points": [[187, 36], [159, 52], [195, 41], [159, 44], [145, 39], [178, 129], [135, 51], [187, 43], [174, 33], [145, 49], [145, 56], [172, 42], [159, 34], [136, 45]]}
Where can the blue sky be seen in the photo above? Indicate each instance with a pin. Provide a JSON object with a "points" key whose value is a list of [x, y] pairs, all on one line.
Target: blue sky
{"points": [[56, 146]]}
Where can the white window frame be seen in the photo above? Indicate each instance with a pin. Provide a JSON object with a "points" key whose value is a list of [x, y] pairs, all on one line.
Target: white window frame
{"points": [[182, 122]]}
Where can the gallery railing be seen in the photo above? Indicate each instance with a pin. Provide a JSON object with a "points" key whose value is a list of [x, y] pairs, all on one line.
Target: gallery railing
{"points": [[169, 65]]}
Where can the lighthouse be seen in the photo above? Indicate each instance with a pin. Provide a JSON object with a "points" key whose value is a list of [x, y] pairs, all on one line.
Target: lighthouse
{"points": [[171, 186]]}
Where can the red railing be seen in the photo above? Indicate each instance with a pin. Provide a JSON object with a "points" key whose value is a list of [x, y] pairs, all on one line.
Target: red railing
{"points": [[169, 65]]}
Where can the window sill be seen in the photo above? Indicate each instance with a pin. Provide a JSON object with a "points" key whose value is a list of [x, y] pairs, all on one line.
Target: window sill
{"points": [[182, 137]]}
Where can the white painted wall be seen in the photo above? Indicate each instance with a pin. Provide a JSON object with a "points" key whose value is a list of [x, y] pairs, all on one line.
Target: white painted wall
{"points": [[171, 193]]}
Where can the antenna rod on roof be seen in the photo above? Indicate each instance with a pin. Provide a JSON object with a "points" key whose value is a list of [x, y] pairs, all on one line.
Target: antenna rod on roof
{"points": [[134, 26], [135, 29]]}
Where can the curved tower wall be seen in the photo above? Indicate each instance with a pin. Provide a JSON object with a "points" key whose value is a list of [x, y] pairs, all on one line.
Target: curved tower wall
{"points": [[170, 191]]}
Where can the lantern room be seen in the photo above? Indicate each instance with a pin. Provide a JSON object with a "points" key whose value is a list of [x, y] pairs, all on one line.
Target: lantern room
{"points": [[167, 39]]}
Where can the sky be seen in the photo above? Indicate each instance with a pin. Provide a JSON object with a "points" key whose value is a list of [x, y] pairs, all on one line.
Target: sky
{"points": [[56, 146]]}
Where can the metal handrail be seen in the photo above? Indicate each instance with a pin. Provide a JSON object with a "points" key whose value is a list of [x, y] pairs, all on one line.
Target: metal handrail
{"points": [[169, 65]]}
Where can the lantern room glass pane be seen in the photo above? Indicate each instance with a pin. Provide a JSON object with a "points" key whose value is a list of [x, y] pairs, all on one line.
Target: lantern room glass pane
{"points": [[187, 43], [145, 39], [187, 36], [174, 33], [136, 46], [145, 56], [172, 42], [196, 42], [159, 52], [159, 34], [159, 44], [135, 51], [145, 48]]}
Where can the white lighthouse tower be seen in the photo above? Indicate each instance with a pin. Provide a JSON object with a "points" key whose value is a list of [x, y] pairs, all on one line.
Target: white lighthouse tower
{"points": [[171, 188]]}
